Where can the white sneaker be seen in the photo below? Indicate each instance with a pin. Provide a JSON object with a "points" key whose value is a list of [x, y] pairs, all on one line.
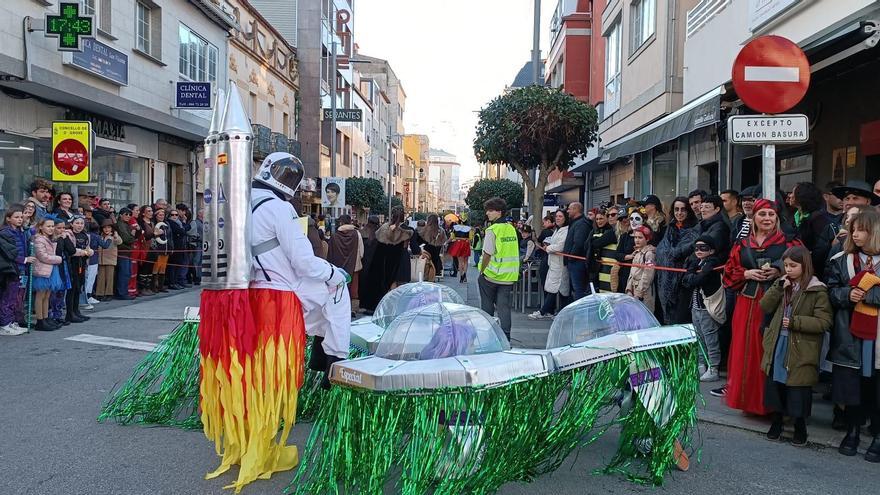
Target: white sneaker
{"points": [[711, 375], [535, 315], [14, 326], [9, 331], [701, 369], [92, 300], [86, 306]]}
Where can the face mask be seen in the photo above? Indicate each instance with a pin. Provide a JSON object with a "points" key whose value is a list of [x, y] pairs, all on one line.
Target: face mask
{"points": [[635, 220]]}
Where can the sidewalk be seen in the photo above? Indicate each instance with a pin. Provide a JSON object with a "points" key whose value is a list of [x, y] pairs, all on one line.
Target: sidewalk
{"points": [[162, 306], [533, 334]]}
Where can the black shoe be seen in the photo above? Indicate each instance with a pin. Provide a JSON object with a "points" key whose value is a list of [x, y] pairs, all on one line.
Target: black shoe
{"points": [[82, 316], [61, 322], [775, 430], [873, 453], [849, 446], [187, 285], [838, 422], [800, 433], [123, 298], [318, 358], [42, 326], [719, 392], [463, 278], [175, 287], [197, 283], [72, 318], [325, 382]]}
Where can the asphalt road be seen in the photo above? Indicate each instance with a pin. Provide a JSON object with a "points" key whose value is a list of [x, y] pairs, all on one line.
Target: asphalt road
{"points": [[50, 442]]}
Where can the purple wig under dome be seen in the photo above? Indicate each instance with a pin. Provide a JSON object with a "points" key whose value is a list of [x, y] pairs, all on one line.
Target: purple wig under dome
{"points": [[597, 315], [441, 330]]}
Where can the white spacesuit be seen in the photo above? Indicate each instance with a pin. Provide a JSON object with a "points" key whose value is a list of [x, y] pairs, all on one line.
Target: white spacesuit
{"points": [[284, 260]]}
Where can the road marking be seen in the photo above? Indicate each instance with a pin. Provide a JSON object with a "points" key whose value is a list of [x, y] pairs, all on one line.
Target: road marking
{"points": [[772, 74], [113, 342]]}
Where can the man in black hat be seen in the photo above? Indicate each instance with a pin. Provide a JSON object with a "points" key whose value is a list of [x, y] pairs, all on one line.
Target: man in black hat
{"points": [[856, 193]]}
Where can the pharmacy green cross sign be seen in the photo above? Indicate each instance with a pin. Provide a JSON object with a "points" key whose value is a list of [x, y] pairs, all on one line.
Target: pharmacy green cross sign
{"points": [[69, 27]]}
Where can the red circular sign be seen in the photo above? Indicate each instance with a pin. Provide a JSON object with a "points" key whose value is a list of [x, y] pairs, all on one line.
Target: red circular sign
{"points": [[71, 157], [771, 74]]}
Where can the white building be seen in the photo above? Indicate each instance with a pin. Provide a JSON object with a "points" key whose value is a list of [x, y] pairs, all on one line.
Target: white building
{"points": [[123, 82], [444, 178]]}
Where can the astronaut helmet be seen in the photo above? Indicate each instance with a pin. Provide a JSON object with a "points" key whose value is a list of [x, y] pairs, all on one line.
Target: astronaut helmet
{"points": [[282, 172]]}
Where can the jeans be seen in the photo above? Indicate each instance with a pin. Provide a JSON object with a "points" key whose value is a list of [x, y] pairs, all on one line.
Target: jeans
{"points": [[707, 330], [123, 274], [549, 306], [196, 269], [10, 301], [577, 273], [477, 256], [185, 261], [496, 297]]}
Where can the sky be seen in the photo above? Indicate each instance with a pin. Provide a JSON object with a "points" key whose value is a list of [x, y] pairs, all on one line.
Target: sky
{"points": [[452, 57]]}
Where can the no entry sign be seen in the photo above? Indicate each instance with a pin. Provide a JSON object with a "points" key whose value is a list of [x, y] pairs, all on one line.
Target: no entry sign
{"points": [[771, 74], [71, 151]]}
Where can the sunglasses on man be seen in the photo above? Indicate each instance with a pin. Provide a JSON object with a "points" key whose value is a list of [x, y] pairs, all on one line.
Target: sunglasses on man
{"points": [[703, 248]]}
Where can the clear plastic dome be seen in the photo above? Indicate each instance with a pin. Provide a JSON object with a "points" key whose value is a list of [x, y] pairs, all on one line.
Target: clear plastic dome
{"points": [[441, 330], [597, 315], [412, 296]]}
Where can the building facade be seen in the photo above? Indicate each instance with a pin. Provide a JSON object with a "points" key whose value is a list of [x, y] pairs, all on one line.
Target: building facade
{"points": [[392, 95], [840, 40], [263, 65], [418, 146], [123, 82], [445, 179], [574, 65]]}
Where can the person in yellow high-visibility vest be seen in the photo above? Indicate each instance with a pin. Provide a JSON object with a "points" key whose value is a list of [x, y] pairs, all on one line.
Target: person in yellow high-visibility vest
{"points": [[499, 268]]}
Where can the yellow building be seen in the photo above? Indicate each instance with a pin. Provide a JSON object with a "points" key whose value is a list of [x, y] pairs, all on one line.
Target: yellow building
{"points": [[417, 146]]}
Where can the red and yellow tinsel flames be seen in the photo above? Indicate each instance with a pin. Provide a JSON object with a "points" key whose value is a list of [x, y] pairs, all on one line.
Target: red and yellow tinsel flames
{"points": [[252, 368]]}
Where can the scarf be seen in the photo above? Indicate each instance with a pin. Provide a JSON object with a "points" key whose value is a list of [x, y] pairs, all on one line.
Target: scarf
{"points": [[863, 323]]}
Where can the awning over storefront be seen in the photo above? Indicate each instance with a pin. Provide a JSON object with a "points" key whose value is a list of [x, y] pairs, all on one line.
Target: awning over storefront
{"points": [[701, 112]]}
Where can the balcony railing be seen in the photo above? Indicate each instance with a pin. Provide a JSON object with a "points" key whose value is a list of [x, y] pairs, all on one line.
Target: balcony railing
{"points": [[698, 16]]}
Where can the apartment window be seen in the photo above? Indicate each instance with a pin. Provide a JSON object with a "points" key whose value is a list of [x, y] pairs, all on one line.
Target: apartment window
{"points": [[100, 10], [198, 58], [143, 27], [271, 123], [643, 17], [285, 124], [612, 69], [252, 102]]}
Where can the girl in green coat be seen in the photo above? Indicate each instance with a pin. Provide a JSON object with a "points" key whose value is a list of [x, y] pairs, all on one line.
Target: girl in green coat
{"points": [[793, 341]]}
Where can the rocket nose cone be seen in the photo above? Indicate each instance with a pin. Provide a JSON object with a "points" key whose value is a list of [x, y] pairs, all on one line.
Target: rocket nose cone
{"points": [[235, 119], [217, 114]]}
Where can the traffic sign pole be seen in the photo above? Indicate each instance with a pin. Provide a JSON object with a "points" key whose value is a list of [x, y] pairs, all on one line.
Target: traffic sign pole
{"points": [[768, 171]]}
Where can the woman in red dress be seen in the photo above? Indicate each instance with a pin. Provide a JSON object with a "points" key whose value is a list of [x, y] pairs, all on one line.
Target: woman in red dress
{"points": [[754, 263], [460, 249]]}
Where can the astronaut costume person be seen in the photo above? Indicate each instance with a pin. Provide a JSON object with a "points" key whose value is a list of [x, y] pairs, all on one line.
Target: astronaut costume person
{"points": [[284, 260]]}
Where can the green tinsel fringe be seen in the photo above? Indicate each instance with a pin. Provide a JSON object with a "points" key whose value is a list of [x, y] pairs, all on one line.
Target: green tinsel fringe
{"points": [[164, 387], [368, 442]]}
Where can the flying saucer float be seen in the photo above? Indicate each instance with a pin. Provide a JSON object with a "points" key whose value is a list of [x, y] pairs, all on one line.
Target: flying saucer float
{"points": [[446, 406], [163, 389]]}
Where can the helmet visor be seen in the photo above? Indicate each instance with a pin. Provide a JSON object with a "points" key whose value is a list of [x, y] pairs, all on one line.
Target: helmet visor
{"points": [[287, 172]]}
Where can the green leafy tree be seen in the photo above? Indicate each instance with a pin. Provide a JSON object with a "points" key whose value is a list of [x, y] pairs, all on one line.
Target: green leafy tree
{"points": [[361, 192], [483, 189], [380, 207], [535, 127]]}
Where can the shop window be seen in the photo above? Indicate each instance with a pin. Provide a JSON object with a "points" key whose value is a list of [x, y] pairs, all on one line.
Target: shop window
{"points": [[198, 58], [643, 174], [665, 172], [643, 17], [794, 169]]}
